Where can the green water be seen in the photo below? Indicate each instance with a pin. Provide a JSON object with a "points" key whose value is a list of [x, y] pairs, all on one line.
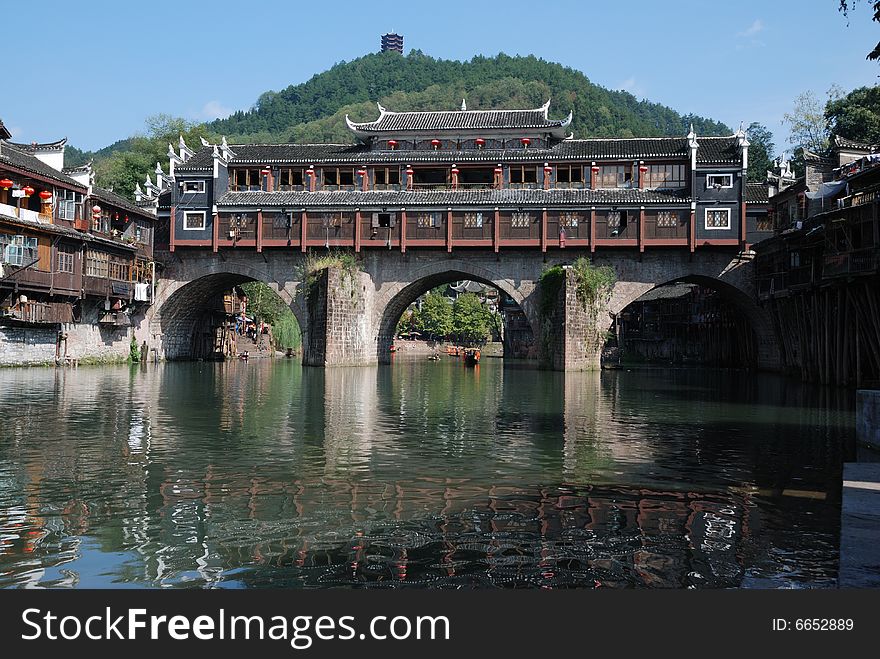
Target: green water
{"points": [[417, 474]]}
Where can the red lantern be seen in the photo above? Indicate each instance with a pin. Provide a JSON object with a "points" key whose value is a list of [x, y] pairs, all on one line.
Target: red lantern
{"points": [[595, 169], [28, 191], [45, 195], [526, 141], [455, 171], [435, 144], [409, 171], [362, 172], [6, 183], [126, 219], [480, 142], [548, 168], [392, 144], [643, 169]]}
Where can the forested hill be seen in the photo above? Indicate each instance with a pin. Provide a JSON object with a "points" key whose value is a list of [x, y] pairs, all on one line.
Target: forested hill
{"points": [[314, 111]]}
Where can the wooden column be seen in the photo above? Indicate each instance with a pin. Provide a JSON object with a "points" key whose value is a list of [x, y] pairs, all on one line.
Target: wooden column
{"points": [[215, 232], [641, 229], [260, 229], [692, 230], [592, 230], [403, 231], [357, 231], [496, 229], [449, 231], [543, 229], [305, 222], [171, 228]]}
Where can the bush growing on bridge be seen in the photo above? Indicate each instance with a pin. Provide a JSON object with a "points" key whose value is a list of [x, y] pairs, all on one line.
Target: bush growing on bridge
{"points": [[592, 282]]}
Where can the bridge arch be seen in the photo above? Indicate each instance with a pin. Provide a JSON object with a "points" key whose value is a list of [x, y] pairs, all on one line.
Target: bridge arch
{"points": [[767, 348], [183, 301], [394, 298]]}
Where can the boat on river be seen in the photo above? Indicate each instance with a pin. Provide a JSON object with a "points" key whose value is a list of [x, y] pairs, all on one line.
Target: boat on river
{"points": [[471, 356]]}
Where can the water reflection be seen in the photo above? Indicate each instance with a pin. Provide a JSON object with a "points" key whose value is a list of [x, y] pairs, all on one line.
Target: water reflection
{"points": [[418, 474]]}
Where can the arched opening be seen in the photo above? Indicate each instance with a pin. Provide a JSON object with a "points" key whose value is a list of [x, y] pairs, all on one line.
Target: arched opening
{"points": [[509, 324], [694, 320], [229, 315]]}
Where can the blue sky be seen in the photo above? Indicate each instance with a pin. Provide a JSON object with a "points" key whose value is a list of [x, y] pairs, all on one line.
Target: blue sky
{"points": [[93, 70]]}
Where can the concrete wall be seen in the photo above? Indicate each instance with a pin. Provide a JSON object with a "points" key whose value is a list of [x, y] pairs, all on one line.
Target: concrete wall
{"points": [[868, 417]]}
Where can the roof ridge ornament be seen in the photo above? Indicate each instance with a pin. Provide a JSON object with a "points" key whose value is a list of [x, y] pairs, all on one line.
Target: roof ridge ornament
{"points": [[204, 141], [546, 108], [463, 105], [692, 138], [381, 109]]}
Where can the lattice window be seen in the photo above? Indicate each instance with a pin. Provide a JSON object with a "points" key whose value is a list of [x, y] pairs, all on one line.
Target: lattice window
{"points": [[331, 220], [473, 220], [520, 220], [21, 250], [568, 219], [428, 220], [614, 219], [64, 261], [667, 219], [281, 221], [718, 218], [96, 264], [118, 270]]}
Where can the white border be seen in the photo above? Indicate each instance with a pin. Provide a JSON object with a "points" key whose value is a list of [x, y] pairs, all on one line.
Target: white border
{"points": [[204, 222], [706, 220], [712, 187], [200, 182]]}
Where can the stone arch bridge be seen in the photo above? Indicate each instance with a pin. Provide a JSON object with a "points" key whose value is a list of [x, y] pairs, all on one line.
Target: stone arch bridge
{"points": [[350, 318]]}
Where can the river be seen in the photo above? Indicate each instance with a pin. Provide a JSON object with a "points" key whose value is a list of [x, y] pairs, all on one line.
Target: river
{"points": [[418, 474]]}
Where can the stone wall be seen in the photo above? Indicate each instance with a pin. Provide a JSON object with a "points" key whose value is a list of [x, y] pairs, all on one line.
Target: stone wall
{"points": [[339, 313], [84, 341], [573, 332]]}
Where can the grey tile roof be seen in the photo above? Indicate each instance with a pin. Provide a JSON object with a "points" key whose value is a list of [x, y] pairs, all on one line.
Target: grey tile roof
{"points": [[15, 157], [845, 143], [712, 150], [717, 150], [57, 145], [68, 232], [390, 122], [757, 193], [4, 131], [114, 199], [446, 198]]}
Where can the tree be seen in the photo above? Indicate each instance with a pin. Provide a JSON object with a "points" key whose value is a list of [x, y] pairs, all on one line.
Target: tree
{"points": [[760, 151], [856, 115], [435, 316], [265, 305], [847, 6], [470, 319], [126, 167], [807, 120]]}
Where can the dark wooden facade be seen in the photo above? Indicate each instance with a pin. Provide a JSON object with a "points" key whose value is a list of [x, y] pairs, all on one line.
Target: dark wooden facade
{"points": [[63, 241], [463, 179]]}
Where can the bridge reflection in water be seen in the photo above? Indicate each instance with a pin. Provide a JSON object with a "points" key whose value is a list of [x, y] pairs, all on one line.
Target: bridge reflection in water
{"points": [[420, 474]]}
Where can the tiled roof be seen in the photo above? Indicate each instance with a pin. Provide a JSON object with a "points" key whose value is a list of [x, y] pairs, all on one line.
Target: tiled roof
{"points": [[12, 155], [114, 199], [712, 150], [67, 232], [391, 122], [57, 145], [4, 131], [852, 144], [718, 150], [445, 198], [757, 193]]}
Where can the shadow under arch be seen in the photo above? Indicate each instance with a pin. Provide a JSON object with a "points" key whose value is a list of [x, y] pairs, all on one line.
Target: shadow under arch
{"points": [[392, 306], [180, 311], [767, 351]]}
